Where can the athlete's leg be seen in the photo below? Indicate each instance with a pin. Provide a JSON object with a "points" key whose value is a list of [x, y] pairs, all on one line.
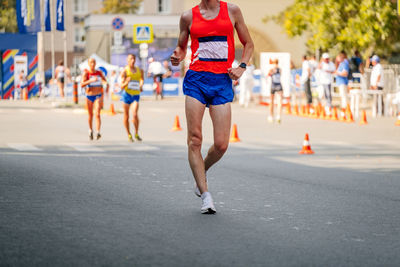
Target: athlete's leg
{"points": [[194, 117], [89, 105], [98, 106], [271, 105], [279, 104], [135, 116], [61, 88], [126, 118], [221, 118]]}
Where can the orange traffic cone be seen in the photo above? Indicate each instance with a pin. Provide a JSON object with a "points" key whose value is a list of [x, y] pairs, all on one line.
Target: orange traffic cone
{"points": [[398, 120], [288, 109], [343, 115], [349, 115], [306, 146], [234, 136], [334, 116], [296, 110], [112, 110], [363, 120], [322, 115], [177, 125]]}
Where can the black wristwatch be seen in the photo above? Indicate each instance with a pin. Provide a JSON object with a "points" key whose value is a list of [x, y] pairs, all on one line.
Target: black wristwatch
{"points": [[243, 65]]}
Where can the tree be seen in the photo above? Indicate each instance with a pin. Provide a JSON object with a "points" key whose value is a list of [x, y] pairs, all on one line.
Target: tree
{"points": [[367, 25], [120, 6], [8, 20]]}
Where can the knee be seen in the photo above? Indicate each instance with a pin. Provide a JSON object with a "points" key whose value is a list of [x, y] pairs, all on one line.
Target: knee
{"points": [[195, 141], [220, 147]]}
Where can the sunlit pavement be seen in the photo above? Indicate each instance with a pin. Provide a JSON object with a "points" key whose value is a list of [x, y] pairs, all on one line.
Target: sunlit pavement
{"points": [[65, 200]]}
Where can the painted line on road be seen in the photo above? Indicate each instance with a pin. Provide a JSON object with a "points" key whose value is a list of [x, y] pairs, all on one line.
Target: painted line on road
{"points": [[23, 147], [84, 147]]}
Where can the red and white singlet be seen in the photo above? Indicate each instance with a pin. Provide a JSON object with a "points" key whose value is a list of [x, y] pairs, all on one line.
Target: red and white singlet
{"points": [[213, 42]]}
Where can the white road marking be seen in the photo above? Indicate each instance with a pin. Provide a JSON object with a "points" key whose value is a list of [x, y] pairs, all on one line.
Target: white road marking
{"points": [[84, 147], [23, 147], [140, 147]]}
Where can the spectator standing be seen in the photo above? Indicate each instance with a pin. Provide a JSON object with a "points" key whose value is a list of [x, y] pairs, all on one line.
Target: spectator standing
{"points": [[327, 68], [246, 84], [377, 78], [156, 71], [61, 74], [22, 85], [342, 80], [356, 65], [306, 79]]}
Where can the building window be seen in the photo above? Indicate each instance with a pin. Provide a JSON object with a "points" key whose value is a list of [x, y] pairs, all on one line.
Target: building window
{"points": [[79, 35], [164, 6], [80, 6]]}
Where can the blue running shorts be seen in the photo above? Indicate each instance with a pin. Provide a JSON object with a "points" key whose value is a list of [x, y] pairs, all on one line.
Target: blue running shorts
{"points": [[93, 98], [207, 87], [129, 99]]}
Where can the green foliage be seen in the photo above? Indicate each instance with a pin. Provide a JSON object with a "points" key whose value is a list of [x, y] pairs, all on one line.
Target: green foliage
{"points": [[8, 19], [120, 6], [367, 25]]}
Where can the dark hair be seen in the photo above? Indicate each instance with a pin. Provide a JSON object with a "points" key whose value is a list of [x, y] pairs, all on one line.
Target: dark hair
{"points": [[61, 62], [305, 57], [133, 55]]}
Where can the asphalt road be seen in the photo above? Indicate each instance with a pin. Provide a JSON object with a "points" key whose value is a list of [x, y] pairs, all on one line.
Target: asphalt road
{"points": [[66, 201]]}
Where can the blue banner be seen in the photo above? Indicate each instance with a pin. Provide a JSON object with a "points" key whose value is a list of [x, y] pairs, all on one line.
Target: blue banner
{"points": [[60, 15], [28, 16], [47, 15]]}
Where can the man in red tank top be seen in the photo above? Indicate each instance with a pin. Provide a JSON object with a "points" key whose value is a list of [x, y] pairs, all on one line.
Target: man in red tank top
{"points": [[208, 82]]}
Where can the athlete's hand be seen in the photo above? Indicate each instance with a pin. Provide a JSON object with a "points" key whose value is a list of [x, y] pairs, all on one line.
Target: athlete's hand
{"points": [[177, 56], [236, 73]]}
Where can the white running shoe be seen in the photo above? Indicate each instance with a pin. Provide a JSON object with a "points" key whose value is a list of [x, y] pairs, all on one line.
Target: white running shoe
{"points": [[270, 119], [196, 188], [278, 119], [207, 206]]}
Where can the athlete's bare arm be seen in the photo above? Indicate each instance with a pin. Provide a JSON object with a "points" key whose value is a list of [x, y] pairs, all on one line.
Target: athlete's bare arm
{"points": [[181, 49], [85, 79], [244, 37], [141, 80], [105, 81], [125, 79]]}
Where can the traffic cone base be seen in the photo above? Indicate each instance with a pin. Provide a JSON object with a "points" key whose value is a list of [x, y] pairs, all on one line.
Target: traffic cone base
{"points": [[177, 125], [112, 110], [306, 146], [234, 136], [398, 121], [363, 120]]}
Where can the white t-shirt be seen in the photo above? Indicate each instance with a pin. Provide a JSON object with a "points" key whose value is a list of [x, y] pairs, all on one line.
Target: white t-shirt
{"points": [[156, 68], [313, 65], [305, 71], [326, 72], [376, 71]]}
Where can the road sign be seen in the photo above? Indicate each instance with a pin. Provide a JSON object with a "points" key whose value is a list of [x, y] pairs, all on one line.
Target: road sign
{"points": [[142, 33], [117, 38], [117, 23]]}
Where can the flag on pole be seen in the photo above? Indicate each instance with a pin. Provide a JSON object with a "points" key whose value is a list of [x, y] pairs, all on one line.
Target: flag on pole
{"points": [[47, 22], [60, 15], [28, 16]]}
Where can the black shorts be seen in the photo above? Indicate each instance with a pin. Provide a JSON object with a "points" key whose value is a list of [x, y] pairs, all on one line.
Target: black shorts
{"points": [[61, 80], [276, 88]]}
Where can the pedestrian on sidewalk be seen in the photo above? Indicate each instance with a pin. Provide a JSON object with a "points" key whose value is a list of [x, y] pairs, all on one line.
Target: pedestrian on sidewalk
{"points": [[377, 78], [342, 79], [306, 79], [327, 68]]}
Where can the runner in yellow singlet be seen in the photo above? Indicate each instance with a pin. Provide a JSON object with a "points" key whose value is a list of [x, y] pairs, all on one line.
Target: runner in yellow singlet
{"points": [[132, 84]]}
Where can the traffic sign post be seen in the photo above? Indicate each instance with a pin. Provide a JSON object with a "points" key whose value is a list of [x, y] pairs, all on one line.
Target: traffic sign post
{"points": [[143, 33], [117, 23]]}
